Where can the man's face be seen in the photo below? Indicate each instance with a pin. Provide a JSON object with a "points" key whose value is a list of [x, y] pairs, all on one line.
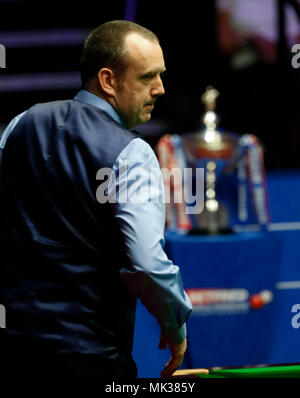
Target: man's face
{"points": [[141, 83]]}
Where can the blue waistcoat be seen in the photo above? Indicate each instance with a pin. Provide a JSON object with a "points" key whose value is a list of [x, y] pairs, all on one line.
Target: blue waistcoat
{"points": [[62, 249]]}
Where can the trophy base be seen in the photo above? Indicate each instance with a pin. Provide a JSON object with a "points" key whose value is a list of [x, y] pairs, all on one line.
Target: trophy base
{"points": [[212, 222]]}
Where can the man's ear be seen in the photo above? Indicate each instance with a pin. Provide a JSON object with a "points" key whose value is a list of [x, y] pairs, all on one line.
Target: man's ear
{"points": [[107, 80]]}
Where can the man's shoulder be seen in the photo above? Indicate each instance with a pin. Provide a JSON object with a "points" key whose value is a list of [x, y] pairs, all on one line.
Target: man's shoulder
{"points": [[74, 115], [80, 122], [45, 110]]}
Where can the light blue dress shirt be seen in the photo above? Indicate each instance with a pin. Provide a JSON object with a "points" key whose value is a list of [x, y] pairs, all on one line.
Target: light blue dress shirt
{"points": [[152, 277]]}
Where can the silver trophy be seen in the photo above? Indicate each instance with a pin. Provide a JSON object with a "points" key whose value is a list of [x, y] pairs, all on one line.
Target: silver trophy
{"points": [[217, 152]]}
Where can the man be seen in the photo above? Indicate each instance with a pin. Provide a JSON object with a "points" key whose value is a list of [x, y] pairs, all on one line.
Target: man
{"points": [[74, 263]]}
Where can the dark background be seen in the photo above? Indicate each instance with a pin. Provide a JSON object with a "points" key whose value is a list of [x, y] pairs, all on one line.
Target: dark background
{"points": [[187, 31]]}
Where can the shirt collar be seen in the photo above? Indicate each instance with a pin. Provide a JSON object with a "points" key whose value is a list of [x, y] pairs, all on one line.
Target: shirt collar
{"points": [[94, 100]]}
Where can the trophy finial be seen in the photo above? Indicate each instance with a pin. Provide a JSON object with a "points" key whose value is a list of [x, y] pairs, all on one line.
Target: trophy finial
{"points": [[209, 98]]}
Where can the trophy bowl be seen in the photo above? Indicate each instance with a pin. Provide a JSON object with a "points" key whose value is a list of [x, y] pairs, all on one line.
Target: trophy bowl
{"points": [[209, 145]]}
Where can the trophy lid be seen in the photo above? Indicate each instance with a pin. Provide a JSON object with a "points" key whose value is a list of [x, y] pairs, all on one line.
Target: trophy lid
{"points": [[210, 134], [209, 98], [210, 142]]}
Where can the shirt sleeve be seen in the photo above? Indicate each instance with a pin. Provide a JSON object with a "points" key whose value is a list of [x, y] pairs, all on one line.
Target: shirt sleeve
{"points": [[140, 211], [10, 128]]}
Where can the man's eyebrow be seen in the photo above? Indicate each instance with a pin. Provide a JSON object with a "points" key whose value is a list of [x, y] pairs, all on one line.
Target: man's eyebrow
{"points": [[152, 72]]}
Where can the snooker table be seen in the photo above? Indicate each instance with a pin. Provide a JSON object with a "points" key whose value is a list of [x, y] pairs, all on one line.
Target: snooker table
{"points": [[291, 370]]}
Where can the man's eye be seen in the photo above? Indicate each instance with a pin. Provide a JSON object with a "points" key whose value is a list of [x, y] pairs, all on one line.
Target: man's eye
{"points": [[147, 78]]}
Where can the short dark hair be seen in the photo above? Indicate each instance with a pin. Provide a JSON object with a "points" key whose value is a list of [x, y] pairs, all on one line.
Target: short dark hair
{"points": [[104, 47]]}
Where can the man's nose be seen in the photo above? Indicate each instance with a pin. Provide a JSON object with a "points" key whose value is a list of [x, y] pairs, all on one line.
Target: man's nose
{"points": [[158, 87]]}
